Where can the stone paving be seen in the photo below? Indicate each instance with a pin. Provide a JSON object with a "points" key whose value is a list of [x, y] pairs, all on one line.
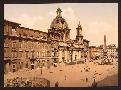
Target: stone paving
{"points": [[78, 75]]}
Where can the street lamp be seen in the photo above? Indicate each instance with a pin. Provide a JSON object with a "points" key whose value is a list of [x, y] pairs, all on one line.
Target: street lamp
{"points": [[71, 52], [41, 68], [54, 51], [72, 48], [85, 56]]}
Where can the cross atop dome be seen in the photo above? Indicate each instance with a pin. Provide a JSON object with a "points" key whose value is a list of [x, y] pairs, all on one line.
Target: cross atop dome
{"points": [[58, 12]]}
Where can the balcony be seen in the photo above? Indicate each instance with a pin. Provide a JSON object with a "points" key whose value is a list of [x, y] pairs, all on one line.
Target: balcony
{"points": [[6, 33], [20, 49], [62, 44], [6, 46], [6, 58], [32, 57], [14, 49], [44, 39]]}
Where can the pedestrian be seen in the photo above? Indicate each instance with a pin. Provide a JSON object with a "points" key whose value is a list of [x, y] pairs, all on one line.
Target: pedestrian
{"points": [[94, 84], [87, 70], [56, 84], [65, 77], [86, 79], [85, 60]]}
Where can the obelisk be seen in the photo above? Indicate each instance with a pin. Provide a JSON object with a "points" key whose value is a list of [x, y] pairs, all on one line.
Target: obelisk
{"points": [[104, 43], [105, 51]]}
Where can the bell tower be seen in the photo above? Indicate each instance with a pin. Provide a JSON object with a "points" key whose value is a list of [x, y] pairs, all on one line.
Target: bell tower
{"points": [[79, 36]]}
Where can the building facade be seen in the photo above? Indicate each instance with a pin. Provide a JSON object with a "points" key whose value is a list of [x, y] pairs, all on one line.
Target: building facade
{"points": [[24, 47], [29, 48], [112, 51], [94, 52], [99, 53]]}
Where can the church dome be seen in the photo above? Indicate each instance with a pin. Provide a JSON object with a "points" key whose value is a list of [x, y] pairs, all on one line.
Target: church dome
{"points": [[59, 22]]}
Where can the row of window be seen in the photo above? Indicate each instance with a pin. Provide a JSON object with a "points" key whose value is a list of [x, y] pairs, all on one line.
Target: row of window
{"points": [[111, 50], [13, 54], [13, 31], [16, 54], [24, 44], [57, 37], [8, 30]]}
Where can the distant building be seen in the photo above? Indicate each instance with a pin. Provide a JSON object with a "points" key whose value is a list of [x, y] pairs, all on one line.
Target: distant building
{"points": [[94, 52], [112, 51], [100, 50], [24, 47]]}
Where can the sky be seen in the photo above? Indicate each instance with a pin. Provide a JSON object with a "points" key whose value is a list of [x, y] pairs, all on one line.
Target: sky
{"points": [[96, 19]]}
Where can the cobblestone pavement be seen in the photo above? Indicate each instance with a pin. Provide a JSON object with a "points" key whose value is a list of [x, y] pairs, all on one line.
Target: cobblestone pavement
{"points": [[79, 75]]}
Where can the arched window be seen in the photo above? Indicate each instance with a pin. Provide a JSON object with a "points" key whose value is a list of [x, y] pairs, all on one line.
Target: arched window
{"points": [[14, 31], [57, 21]]}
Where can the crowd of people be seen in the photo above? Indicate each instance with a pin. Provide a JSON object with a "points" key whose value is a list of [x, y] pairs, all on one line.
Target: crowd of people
{"points": [[25, 82]]}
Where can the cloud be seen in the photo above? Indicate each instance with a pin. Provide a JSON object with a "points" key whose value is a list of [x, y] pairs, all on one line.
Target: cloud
{"points": [[71, 18], [52, 13], [96, 30], [69, 13], [27, 21], [97, 27]]}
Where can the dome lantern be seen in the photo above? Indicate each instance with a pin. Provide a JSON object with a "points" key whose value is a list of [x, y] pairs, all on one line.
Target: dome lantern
{"points": [[58, 12], [79, 25]]}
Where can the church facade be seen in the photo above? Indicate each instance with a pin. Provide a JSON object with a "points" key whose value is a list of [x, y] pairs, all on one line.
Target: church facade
{"points": [[29, 48]]}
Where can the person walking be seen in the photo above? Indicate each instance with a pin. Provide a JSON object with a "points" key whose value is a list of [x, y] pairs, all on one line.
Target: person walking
{"points": [[56, 84], [65, 77], [86, 79], [94, 84]]}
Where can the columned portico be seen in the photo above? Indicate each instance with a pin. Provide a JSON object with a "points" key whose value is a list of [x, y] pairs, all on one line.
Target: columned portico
{"points": [[66, 55], [60, 56]]}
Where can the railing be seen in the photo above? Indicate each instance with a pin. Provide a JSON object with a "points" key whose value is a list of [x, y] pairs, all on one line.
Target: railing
{"points": [[6, 58]]}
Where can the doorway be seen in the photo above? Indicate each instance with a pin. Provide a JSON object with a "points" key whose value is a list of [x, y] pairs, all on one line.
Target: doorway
{"points": [[32, 67], [14, 66], [14, 70]]}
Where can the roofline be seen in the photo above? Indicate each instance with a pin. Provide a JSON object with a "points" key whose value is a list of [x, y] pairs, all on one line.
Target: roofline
{"points": [[92, 46], [11, 22], [86, 40], [33, 30], [23, 27]]}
